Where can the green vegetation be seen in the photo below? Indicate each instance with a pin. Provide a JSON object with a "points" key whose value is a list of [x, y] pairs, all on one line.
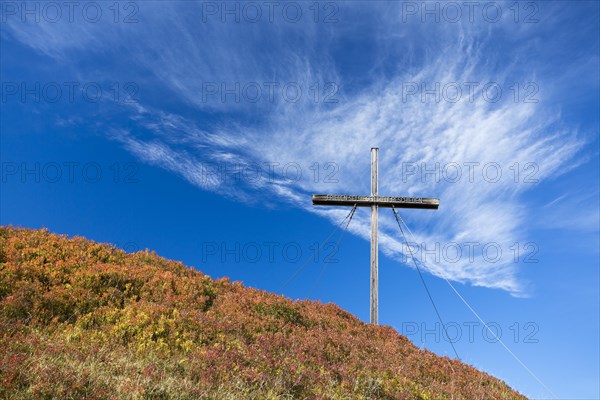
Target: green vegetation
{"points": [[85, 320]]}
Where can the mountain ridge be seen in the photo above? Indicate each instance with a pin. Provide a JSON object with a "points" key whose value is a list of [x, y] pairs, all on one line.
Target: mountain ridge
{"points": [[81, 319]]}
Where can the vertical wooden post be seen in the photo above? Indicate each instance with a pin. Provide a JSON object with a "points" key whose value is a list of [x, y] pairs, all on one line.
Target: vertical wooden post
{"points": [[374, 242]]}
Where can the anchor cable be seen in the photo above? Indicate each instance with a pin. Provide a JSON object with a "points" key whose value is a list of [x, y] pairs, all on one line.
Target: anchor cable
{"points": [[484, 324], [295, 273], [337, 244], [424, 284]]}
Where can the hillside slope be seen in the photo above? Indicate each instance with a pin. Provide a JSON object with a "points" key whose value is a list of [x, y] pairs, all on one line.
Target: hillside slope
{"points": [[85, 320]]}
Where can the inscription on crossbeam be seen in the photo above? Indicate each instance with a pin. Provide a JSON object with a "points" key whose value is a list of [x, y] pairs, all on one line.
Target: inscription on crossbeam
{"points": [[381, 201]]}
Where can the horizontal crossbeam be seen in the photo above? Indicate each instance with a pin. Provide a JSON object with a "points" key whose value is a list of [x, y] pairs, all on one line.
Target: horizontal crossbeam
{"points": [[381, 201]]}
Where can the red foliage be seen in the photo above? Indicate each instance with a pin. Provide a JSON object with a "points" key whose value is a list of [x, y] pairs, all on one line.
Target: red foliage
{"points": [[85, 320]]}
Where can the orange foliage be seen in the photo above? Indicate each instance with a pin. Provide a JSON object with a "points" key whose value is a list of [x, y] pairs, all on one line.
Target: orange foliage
{"points": [[86, 320]]}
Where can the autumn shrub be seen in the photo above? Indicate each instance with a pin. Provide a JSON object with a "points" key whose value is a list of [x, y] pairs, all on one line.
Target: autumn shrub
{"points": [[80, 319]]}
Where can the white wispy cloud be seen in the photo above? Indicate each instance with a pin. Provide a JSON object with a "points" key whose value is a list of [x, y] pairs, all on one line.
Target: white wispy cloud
{"points": [[376, 106]]}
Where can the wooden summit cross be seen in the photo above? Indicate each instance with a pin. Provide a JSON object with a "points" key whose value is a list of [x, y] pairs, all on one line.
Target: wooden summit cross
{"points": [[374, 201]]}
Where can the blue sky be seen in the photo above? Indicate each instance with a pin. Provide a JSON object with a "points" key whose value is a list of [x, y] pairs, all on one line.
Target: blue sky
{"points": [[200, 129]]}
